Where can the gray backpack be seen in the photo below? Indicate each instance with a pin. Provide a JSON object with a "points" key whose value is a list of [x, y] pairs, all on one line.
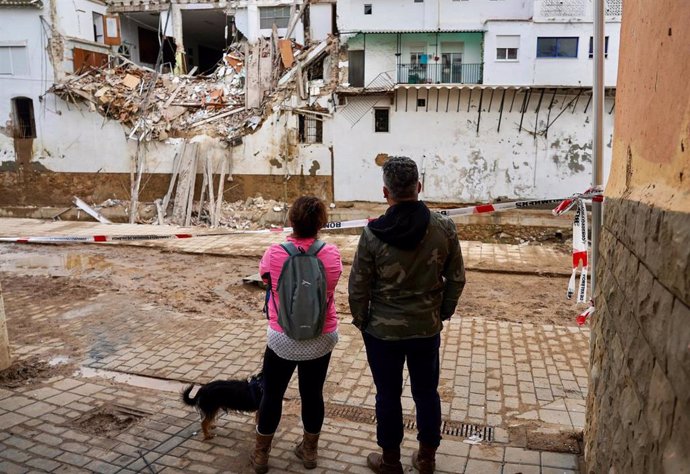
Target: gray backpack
{"points": [[302, 292]]}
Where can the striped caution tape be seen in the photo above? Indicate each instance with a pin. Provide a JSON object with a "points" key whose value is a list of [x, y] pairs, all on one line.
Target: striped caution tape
{"points": [[586, 314], [334, 225], [580, 246]]}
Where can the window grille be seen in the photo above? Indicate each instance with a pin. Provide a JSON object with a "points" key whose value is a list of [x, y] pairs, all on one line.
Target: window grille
{"points": [[310, 129], [270, 15], [563, 8]]}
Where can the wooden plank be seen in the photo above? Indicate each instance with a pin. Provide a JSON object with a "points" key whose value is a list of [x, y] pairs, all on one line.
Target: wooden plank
{"points": [[221, 187], [211, 199], [176, 170], [192, 182], [286, 55]]}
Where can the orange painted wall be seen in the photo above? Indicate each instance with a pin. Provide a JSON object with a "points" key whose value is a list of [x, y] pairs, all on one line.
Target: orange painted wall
{"points": [[651, 143]]}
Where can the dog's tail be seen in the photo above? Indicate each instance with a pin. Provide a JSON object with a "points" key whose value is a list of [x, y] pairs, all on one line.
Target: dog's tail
{"points": [[186, 399]]}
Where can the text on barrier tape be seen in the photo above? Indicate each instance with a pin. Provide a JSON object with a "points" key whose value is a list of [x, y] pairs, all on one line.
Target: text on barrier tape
{"points": [[351, 224]]}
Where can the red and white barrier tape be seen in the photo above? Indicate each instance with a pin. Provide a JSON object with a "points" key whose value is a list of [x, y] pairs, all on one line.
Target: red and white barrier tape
{"points": [[580, 246], [351, 224]]}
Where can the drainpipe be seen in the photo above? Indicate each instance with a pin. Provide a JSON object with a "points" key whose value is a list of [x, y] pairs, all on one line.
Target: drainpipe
{"points": [[597, 130]]}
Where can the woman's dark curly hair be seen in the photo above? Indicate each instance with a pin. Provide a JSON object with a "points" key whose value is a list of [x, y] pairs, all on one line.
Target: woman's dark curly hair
{"points": [[307, 216]]}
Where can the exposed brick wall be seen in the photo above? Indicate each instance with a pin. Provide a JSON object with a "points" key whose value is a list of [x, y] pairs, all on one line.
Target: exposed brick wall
{"points": [[638, 418]]}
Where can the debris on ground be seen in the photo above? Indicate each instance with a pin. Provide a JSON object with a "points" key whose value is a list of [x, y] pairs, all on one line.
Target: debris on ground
{"points": [[250, 214], [25, 372]]}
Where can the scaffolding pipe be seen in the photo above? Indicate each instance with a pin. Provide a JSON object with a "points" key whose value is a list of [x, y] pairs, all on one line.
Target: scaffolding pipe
{"points": [[597, 131]]}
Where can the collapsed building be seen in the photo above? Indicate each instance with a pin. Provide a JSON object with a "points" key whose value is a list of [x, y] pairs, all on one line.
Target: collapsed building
{"points": [[139, 99]]}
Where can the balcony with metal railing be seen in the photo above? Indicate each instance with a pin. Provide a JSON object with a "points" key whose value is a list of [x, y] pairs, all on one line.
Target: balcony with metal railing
{"points": [[440, 73]]}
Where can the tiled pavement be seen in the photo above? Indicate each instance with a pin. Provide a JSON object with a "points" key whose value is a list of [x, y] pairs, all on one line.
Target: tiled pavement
{"points": [[497, 373], [39, 435], [478, 255], [494, 373]]}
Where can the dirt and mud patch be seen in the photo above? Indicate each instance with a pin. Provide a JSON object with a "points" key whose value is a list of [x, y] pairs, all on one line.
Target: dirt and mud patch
{"points": [[556, 237], [107, 421], [28, 372], [532, 436], [212, 286], [563, 442]]}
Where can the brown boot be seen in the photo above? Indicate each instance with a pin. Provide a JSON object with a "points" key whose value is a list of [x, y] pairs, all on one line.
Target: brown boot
{"points": [[307, 450], [259, 458], [424, 460], [386, 463]]}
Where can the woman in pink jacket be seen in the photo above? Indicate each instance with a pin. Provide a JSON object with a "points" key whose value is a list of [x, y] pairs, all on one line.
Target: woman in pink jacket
{"points": [[311, 357]]}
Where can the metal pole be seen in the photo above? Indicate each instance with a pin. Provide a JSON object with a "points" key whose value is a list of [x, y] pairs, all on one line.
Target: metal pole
{"points": [[597, 130]]}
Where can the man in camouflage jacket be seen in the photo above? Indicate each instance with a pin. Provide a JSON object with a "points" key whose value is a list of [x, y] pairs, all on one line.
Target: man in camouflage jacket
{"points": [[407, 277]]}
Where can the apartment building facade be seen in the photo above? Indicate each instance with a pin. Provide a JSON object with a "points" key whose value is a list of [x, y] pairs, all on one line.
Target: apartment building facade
{"points": [[491, 98]]}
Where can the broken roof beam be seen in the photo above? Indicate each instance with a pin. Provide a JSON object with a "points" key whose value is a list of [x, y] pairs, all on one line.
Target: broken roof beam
{"points": [[90, 210], [311, 56]]}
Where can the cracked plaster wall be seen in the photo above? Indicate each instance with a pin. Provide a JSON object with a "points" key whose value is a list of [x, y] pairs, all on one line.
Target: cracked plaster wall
{"points": [[460, 165]]}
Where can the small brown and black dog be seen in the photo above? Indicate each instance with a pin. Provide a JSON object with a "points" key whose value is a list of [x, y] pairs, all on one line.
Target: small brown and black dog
{"points": [[228, 395]]}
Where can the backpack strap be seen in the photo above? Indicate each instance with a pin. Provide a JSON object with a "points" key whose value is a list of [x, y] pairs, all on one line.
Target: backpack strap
{"points": [[290, 248], [316, 247]]}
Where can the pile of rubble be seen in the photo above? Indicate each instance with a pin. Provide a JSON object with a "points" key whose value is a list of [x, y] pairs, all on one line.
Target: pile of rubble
{"points": [[251, 214], [177, 106]]}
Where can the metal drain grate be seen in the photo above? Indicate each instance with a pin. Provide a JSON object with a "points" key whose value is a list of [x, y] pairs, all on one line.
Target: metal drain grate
{"points": [[448, 428]]}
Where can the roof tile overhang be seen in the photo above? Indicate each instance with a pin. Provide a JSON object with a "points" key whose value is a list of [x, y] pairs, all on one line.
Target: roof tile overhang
{"points": [[21, 4]]}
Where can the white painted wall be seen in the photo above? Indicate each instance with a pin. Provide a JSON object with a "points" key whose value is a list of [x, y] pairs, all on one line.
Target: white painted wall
{"points": [[406, 15], [321, 21], [23, 26], [76, 17], [461, 165], [530, 70]]}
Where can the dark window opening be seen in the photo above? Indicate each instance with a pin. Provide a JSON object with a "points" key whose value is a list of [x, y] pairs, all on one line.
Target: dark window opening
{"points": [[149, 48], [355, 71], [98, 36], [24, 125], [557, 47], [315, 70], [367, 9], [381, 120], [591, 47], [310, 129], [421, 102]]}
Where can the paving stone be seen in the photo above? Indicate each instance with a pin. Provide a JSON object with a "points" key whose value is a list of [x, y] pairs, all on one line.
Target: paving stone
{"points": [[8, 467], [15, 455], [521, 456], [450, 463], [521, 469], [476, 466], [43, 464], [487, 452], [74, 459], [565, 461]]}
